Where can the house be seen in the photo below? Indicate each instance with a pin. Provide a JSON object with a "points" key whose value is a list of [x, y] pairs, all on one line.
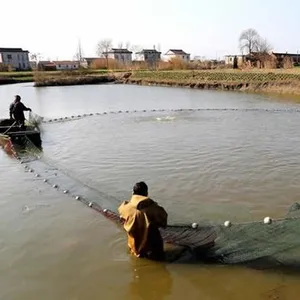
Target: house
{"points": [[63, 65], [46, 66], [281, 56], [177, 53], [229, 59], [87, 61], [123, 56], [16, 58], [150, 56]]}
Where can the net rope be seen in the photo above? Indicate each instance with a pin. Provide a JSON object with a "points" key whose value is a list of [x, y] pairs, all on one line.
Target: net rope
{"points": [[276, 242], [42, 120]]}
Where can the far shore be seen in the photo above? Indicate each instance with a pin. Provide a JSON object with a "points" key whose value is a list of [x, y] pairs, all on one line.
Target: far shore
{"points": [[284, 82]]}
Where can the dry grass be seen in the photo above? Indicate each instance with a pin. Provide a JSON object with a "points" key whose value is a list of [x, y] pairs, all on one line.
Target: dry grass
{"points": [[218, 76], [263, 81], [71, 78]]}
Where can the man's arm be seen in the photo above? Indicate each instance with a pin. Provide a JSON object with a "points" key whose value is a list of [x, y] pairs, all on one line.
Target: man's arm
{"points": [[161, 216], [164, 217], [25, 108]]}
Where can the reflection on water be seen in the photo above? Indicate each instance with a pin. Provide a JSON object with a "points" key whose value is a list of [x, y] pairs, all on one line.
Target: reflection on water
{"points": [[239, 165], [150, 280]]}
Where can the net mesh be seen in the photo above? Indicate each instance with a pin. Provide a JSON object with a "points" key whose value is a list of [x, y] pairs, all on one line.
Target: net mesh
{"points": [[277, 242]]}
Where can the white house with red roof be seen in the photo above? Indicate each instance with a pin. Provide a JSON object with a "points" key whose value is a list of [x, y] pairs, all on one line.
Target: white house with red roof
{"points": [[66, 65]]}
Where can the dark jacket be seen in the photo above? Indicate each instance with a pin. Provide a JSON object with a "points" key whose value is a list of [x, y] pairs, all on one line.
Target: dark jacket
{"points": [[16, 110]]}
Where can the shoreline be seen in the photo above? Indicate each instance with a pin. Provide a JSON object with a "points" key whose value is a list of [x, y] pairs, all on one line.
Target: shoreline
{"points": [[278, 83], [256, 82], [277, 88], [74, 80]]}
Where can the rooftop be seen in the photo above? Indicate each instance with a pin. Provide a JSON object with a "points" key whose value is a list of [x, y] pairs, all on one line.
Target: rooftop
{"points": [[12, 50], [148, 51], [286, 54], [119, 50], [65, 62], [178, 52]]}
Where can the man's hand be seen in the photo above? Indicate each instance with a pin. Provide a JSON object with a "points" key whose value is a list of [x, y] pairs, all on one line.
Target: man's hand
{"points": [[30, 109]]}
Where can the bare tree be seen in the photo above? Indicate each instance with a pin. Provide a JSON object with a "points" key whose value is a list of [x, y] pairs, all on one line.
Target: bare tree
{"points": [[127, 45], [159, 47], [35, 56], [120, 45], [103, 47], [251, 41], [263, 46], [135, 49], [79, 54], [248, 40]]}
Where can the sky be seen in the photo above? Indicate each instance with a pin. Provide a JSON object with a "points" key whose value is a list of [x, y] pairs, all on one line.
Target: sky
{"points": [[205, 28]]}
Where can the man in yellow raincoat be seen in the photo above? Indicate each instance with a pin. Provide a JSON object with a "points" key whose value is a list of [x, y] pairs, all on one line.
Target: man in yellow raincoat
{"points": [[143, 217]]}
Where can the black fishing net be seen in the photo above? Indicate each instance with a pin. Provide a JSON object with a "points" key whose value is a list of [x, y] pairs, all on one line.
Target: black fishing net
{"points": [[277, 240]]}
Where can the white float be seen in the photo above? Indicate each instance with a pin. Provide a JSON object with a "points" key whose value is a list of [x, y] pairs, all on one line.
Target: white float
{"points": [[194, 225], [267, 220], [227, 223]]}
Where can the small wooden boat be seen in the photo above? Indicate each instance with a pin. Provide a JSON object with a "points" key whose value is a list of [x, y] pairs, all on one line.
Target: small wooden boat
{"points": [[19, 136]]}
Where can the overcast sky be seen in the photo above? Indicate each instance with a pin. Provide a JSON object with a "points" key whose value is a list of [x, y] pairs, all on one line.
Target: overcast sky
{"points": [[207, 28]]}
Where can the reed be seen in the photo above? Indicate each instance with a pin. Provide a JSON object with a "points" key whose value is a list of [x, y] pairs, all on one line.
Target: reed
{"points": [[275, 82], [71, 78]]}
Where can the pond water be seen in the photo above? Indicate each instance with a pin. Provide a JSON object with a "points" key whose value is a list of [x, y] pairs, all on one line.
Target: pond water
{"points": [[237, 158]]}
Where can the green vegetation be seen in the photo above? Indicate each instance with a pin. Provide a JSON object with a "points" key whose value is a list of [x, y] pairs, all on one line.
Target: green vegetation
{"points": [[215, 76]]}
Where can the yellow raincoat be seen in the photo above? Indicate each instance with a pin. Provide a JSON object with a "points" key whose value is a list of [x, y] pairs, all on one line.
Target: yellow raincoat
{"points": [[142, 218]]}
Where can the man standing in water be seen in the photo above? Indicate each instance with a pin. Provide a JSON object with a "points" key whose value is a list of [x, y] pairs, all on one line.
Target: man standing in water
{"points": [[143, 217], [16, 111]]}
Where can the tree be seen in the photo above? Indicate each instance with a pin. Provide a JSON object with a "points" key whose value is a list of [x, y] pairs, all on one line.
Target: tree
{"points": [[263, 46], [35, 56], [103, 47], [79, 54], [251, 41], [248, 40], [136, 48], [127, 45]]}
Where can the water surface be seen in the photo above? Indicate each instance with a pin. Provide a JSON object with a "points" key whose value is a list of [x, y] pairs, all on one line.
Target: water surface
{"points": [[210, 164]]}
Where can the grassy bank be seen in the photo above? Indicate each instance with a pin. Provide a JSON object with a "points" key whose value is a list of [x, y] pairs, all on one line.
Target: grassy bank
{"points": [[11, 80], [48, 78], [259, 81], [63, 80], [273, 81]]}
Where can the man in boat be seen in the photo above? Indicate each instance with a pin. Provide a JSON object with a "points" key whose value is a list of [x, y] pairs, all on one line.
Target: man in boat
{"points": [[143, 217], [16, 111]]}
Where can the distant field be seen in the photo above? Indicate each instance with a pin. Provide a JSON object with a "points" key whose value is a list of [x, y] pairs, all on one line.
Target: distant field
{"points": [[217, 76], [281, 81], [295, 71]]}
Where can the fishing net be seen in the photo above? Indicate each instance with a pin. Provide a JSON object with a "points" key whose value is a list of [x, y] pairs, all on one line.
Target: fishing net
{"points": [[277, 241]]}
